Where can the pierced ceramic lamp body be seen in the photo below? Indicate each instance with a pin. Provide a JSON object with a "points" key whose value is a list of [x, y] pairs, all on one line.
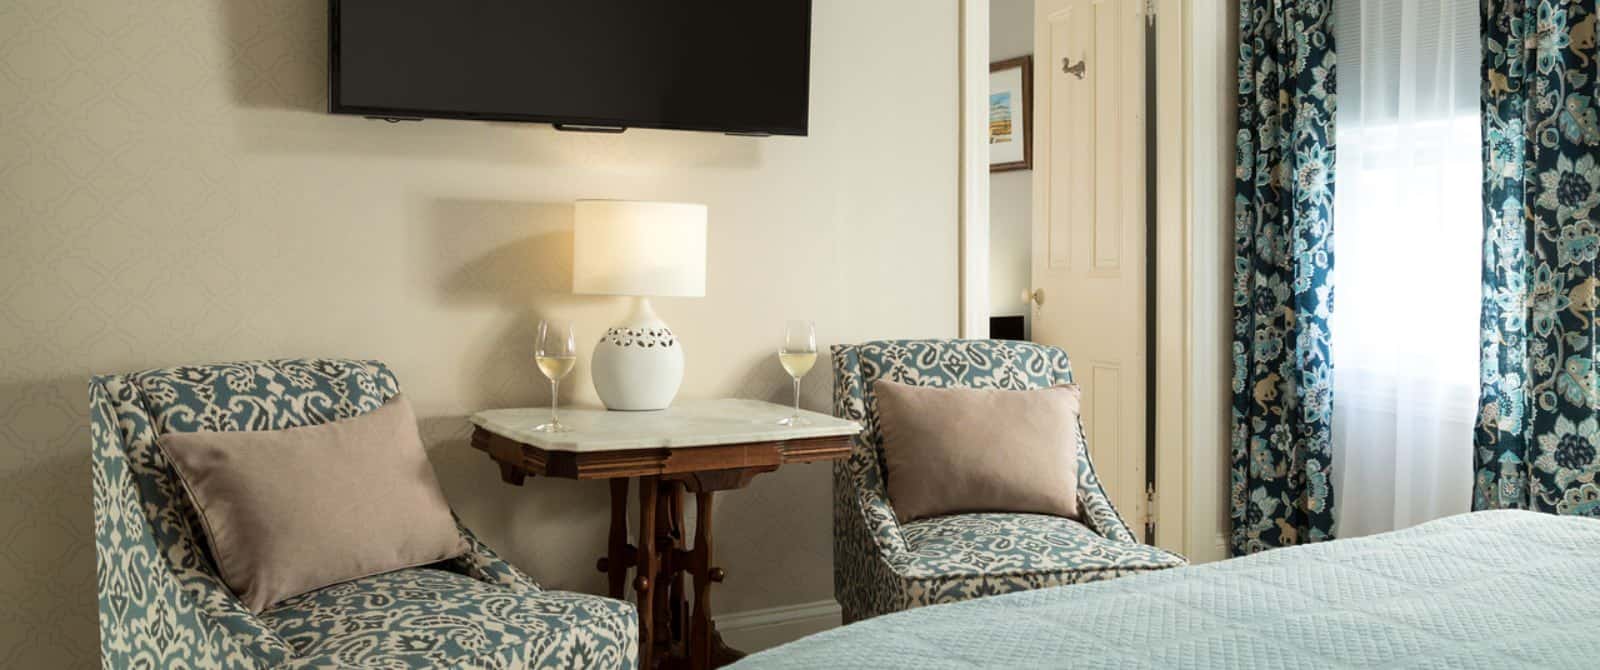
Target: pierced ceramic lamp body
{"points": [[638, 364], [638, 249]]}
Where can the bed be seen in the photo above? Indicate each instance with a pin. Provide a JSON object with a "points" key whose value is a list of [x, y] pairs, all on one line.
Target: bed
{"points": [[1485, 590]]}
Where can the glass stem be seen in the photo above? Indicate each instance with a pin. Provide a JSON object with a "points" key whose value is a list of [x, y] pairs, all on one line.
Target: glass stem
{"points": [[555, 399], [796, 397]]}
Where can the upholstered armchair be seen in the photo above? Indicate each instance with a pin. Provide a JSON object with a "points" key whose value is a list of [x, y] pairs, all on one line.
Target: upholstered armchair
{"points": [[162, 604], [882, 566]]}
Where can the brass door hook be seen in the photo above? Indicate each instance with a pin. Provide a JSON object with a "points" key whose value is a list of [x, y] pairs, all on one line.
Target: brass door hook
{"points": [[1077, 70]]}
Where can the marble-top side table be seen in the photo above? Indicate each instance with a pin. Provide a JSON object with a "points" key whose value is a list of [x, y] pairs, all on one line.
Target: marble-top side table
{"points": [[695, 446]]}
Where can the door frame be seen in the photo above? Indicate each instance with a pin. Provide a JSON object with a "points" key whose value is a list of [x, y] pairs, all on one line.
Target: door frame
{"points": [[1193, 161], [1201, 198], [974, 169]]}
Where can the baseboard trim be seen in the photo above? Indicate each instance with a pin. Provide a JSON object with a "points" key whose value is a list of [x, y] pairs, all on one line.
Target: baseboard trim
{"points": [[754, 630]]}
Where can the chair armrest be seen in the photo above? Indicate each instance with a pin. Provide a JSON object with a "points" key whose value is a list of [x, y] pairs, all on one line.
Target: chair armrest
{"points": [[866, 492], [1094, 505], [859, 479], [158, 607], [1102, 518], [869, 547], [481, 563]]}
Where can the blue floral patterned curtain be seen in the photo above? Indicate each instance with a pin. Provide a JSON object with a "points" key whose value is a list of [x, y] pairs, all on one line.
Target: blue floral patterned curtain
{"points": [[1537, 428], [1283, 256]]}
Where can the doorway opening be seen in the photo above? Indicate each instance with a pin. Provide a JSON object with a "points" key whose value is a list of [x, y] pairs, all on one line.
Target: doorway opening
{"points": [[1070, 238]]}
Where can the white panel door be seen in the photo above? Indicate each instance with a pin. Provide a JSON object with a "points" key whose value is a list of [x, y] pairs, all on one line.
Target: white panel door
{"points": [[1089, 224]]}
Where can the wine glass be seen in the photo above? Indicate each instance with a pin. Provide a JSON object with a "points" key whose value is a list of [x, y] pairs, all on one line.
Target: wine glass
{"points": [[798, 354], [555, 353]]}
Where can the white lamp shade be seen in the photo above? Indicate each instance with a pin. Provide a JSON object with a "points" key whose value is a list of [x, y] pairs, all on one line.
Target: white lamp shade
{"points": [[623, 247]]}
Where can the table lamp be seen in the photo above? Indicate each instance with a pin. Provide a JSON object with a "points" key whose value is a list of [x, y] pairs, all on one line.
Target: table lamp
{"points": [[639, 249]]}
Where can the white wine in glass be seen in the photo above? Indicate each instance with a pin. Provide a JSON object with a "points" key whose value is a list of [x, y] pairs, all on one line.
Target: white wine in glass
{"points": [[555, 367], [798, 354], [555, 353]]}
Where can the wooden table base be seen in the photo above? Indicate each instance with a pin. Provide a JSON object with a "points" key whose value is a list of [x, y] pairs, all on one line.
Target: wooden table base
{"points": [[675, 628], [680, 629]]}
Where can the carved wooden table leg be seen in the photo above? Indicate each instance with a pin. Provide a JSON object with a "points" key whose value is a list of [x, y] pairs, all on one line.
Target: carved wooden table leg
{"points": [[706, 649], [644, 581], [669, 536], [675, 605], [721, 653], [700, 626], [618, 552]]}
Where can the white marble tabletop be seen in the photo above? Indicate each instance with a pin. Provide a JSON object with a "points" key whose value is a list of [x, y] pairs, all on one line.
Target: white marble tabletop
{"points": [[688, 423]]}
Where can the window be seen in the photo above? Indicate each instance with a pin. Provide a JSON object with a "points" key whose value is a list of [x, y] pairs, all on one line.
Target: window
{"points": [[1408, 230]]}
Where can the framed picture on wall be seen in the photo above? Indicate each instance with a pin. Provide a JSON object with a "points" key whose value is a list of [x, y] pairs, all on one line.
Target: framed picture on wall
{"points": [[1011, 114]]}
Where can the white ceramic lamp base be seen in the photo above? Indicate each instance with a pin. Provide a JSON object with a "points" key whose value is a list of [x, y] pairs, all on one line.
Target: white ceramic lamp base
{"points": [[638, 365]]}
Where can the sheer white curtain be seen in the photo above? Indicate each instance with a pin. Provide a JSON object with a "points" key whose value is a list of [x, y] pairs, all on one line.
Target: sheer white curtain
{"points": [[1407, 245]]}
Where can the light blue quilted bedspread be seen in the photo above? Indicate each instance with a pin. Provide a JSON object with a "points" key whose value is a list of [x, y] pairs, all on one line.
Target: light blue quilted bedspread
{"points": [[1501, 589]]}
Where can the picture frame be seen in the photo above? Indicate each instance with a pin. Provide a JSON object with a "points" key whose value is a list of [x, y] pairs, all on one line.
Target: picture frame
{"points": [[1011, 114]]}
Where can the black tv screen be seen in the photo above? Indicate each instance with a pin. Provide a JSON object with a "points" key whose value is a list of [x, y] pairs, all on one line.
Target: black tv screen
{"points": [[738, 66]]}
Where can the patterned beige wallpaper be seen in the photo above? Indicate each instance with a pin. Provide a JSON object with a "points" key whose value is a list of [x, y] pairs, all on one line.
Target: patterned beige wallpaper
{"points": [[170, 191]]}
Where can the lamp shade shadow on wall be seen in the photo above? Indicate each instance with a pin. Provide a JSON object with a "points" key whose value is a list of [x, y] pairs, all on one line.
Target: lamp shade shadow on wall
{"points": [[499, 252], [513, 259]]}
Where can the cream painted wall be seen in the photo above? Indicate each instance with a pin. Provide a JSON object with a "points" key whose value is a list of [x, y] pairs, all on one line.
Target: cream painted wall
{"points": [[1010, 193], [171, 191]]}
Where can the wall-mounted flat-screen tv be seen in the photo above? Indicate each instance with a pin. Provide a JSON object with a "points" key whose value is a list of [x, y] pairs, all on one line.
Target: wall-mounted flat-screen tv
{"points": [[734, 66]]}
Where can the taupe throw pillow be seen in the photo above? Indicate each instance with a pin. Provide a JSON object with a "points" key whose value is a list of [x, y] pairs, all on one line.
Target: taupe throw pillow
{"points": [[954, 450], [291, 511]]}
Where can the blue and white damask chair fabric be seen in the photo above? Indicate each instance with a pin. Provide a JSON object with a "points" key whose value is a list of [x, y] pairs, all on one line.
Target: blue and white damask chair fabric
{"points": [[163, 605], [882, 566]]}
